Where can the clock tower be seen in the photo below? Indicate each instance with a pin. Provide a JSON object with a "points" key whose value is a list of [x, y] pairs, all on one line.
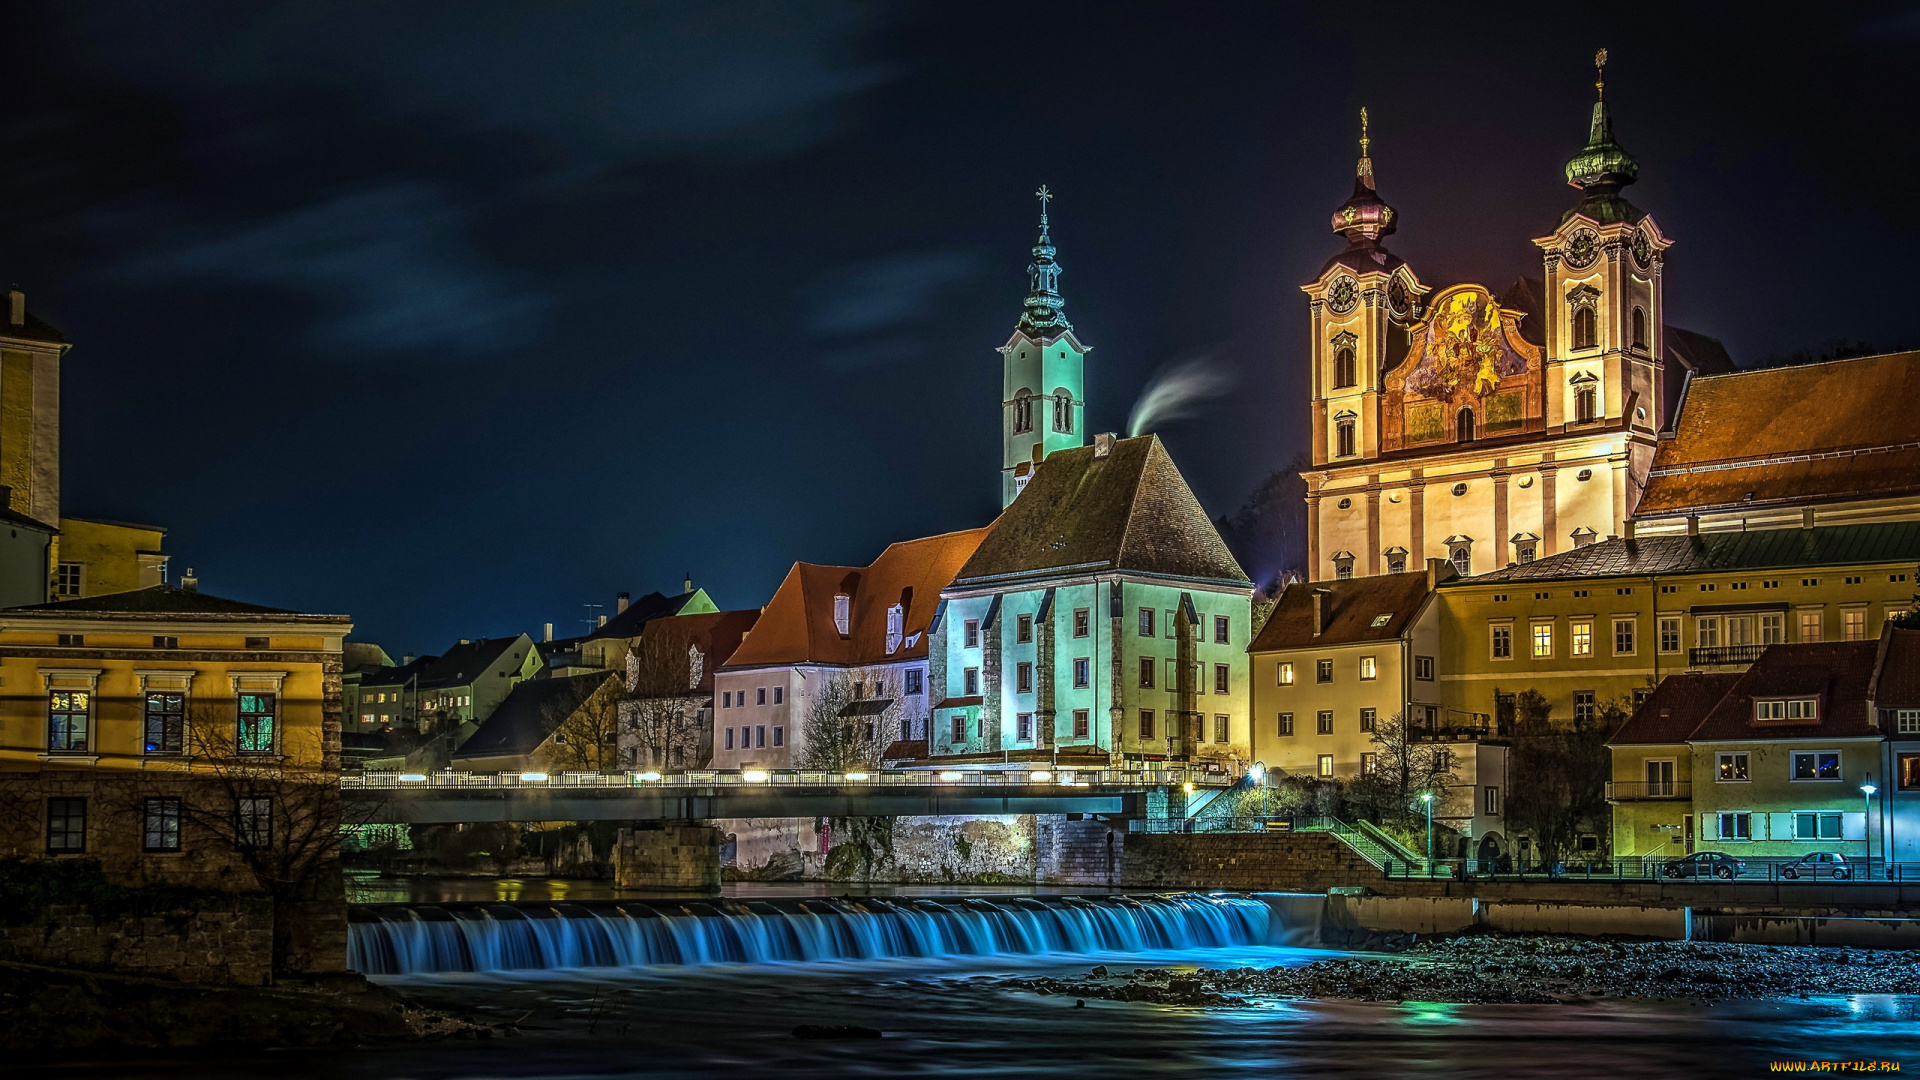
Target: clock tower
{"points": [[1043, 391]]}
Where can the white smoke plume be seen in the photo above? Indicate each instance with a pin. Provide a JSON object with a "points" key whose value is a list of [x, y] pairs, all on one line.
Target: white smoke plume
{"points": [[1178, 391]]}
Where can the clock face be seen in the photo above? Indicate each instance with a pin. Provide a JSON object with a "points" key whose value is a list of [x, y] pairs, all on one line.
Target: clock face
{"points": [[1642, 251], [1582, 248], [1397, 296], [1340, 298]]}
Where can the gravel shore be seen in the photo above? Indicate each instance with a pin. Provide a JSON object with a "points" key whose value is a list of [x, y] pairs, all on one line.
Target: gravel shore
{"points": [[1517, 970]]}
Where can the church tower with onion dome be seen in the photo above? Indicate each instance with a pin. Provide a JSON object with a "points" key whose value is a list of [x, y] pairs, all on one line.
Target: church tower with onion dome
{"points": [[1043, 392]]}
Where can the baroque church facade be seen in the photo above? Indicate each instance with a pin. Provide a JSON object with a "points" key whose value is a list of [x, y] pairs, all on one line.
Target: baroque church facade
{"points": [[1488, 428]]}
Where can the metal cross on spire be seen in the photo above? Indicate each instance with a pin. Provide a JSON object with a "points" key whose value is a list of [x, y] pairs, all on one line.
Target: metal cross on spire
{"points": [[1600, 72], [1045, 197], [1364, 141]]}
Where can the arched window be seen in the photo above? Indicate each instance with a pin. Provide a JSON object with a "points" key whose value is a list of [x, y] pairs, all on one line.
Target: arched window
{"points": [[1586, 328], [1344, 374], [1343, 439], [1586, 404], [1463, 425], [1063, 410], [1460, 552], [1639, 328], [1023, 411], [1343, 566]]}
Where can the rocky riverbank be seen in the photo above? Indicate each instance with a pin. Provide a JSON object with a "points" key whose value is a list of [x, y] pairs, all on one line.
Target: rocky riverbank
{"points": [[46, 1009], [1517, 970]]}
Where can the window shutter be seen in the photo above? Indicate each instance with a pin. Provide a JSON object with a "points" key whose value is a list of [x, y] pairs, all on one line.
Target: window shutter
{"points": [[1853, 825], [1780, 826]]}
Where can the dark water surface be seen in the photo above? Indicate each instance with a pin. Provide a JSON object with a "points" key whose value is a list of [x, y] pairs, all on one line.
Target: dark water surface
{"points": [[942, 1019]]}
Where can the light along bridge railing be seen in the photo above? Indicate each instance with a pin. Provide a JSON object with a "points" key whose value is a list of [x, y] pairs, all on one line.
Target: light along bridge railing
{"points": [[750, 778]]}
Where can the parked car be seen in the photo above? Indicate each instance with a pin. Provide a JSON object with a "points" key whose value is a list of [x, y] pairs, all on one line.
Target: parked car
{"points": [[1705, 864], [1815, 863]]}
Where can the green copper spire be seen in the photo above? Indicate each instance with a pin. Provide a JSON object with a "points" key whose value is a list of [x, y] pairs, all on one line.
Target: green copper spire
{"points": [[1042, 316], [1603, 166]]}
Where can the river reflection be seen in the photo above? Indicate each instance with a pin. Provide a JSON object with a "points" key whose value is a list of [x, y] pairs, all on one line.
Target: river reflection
{"points": [[946, 1019]]}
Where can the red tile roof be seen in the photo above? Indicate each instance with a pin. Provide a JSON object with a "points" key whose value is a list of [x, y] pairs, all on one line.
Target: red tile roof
{"points": [[1674, 709], [1351, 607], [797, 627], [717, 634], [1897, 684], [1815, 432], [1838, 672]]}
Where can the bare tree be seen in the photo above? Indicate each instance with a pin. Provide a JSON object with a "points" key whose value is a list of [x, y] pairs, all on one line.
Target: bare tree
{"points": [[279, 819], [1559, 772], [585, 726], [660, 718], [1404, 766], [846, 725]]}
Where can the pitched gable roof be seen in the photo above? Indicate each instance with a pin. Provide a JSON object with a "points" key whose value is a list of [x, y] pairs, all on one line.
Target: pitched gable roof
{"points": [[1837, 672], [797, 624], [1128, 510], [717, 634], [1760, 549], [469, 660], [1350, 609], [631, 622], [159, 600], [1896, 685], [1675, 708], [530, 714], [1840, 429]]}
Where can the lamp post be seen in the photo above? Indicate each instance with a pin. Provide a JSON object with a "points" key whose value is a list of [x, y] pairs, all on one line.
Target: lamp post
{"points": [[1867, 789], [1427, 798]]}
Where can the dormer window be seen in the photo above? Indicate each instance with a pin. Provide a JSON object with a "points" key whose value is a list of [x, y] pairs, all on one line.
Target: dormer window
{"points": [[842, 613], [1787, 710], [1343, 565], [1396, 560], [1460, 553], [1526, 547], [896, 627]]}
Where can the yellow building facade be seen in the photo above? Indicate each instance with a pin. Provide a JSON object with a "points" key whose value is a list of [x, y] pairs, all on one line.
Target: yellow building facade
{"points": [[95, 557]]}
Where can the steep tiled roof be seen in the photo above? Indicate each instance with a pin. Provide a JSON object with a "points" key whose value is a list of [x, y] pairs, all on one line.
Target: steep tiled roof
{"points": [[469, 660], [717, 634], [34, 329], [1351, 608], [797, 624], [530, 713], [398, 674], [652, 606], [1674, 708], [1761, 549], [1896, 685], [1130, 510], [1839, 672], [158, 600], [1840, 429]]}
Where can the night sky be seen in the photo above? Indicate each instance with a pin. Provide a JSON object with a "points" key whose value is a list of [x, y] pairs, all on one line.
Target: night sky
{"points": [[456, 317]]}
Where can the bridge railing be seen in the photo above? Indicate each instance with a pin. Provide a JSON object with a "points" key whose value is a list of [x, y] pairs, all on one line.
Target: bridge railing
{"points": [[750, 778]]}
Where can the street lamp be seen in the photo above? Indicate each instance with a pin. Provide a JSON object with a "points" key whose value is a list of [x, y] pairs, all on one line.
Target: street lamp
{"points": [[1867, 789], [1427, 798]]}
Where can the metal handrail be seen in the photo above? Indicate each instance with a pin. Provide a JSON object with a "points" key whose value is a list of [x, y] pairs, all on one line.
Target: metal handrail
{"points": [[1724, 654], [708, 778]]}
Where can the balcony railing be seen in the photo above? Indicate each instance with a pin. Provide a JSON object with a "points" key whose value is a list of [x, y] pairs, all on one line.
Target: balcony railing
{"points": [[1456, 726], [1724, 654], [1636, 790]]}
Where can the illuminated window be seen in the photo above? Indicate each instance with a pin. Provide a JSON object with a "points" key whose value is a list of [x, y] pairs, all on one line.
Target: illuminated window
{"points": [[1580, 638], [1542, 641], [1853, 625], [167, 721], [1369, 762], [256, 728], [68, 721], [1816, 765], [1326, 764], [1283, 674], [842, 612], [1730, 768], [1810, 626], [1368, 668]]}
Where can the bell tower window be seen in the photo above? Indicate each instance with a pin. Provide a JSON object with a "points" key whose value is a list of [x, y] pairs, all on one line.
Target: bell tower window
{"points": [[1640, 328], [1343, 436], [1585, 405], [1344, 374], [1463, 425], [1063, 411], [1023, 411], [1586, 327]]}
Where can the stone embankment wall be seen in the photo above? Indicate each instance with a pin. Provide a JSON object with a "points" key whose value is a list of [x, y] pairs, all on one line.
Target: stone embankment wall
{"points": [[996, 850], [1256, 862], [670, 858], [227, 945]]}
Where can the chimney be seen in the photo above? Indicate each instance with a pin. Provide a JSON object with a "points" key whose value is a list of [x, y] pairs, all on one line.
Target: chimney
{"points": [[599, 622], [1629, 527], [1322, 610], [1103, 444], [620, 602], [407, 659], [546, 631], [17, 307], [1039, 453], [188, 583], [1806, 517], [1438, 570], [1693, 524], [687, 585]]}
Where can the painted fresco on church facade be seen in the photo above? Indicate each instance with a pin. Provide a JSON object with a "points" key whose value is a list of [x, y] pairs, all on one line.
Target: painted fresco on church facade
{"points": [[1468, 358]]}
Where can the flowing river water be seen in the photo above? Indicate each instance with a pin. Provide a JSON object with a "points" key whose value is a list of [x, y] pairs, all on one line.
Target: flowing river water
{"points": [[610, 989]]}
